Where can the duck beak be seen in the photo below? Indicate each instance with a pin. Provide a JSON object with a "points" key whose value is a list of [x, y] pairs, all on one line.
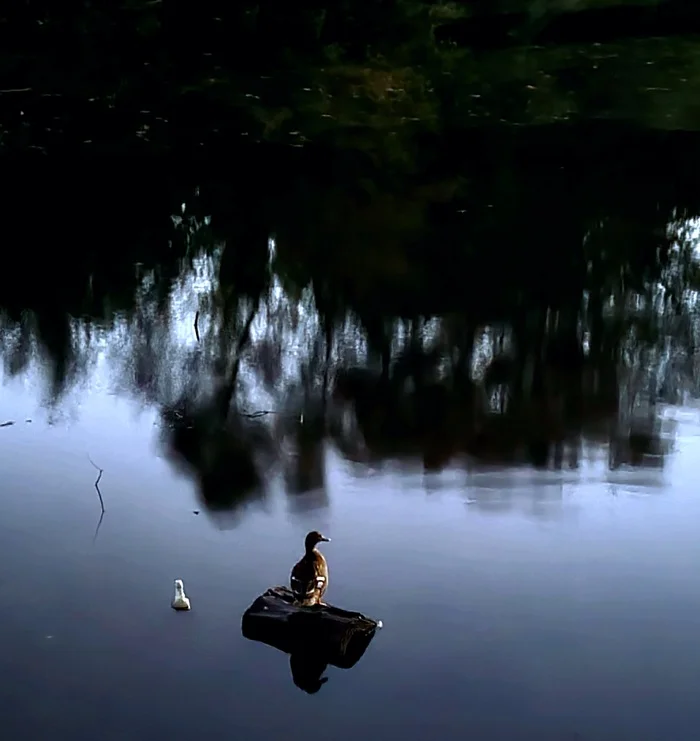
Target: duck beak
{"points": [[324, 539]]}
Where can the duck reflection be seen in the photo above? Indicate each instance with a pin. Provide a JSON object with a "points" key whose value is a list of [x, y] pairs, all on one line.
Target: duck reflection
{"points": [[314, 637], [307, 668]]}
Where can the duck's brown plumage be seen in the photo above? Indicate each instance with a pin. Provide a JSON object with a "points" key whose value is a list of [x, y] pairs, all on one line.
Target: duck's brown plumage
{"points": [[309, 577]]}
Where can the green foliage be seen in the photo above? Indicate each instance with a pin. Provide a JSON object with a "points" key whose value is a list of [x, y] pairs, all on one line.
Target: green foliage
{"points": [[369, 75]]}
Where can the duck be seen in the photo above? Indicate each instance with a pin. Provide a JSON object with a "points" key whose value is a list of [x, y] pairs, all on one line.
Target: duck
{"points": [[180, 600], [309, 577]]}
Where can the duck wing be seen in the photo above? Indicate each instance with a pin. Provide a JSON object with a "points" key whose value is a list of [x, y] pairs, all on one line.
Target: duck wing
{"points": [[309, 578]]}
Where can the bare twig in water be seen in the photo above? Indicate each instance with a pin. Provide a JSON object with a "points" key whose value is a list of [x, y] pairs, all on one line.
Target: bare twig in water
{"points": [[7, 424], [99, 524], [255, 415], [97, 485], [196, 326]]}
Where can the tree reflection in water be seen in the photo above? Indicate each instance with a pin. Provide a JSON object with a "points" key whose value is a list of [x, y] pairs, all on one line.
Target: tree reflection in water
{"points": [[385, 338]]}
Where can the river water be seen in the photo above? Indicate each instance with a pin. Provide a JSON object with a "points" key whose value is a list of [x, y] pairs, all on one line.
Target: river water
{"points": [[517, 604]]}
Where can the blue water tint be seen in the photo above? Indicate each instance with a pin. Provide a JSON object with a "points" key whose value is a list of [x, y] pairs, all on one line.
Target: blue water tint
{"points": [[517, 605]]}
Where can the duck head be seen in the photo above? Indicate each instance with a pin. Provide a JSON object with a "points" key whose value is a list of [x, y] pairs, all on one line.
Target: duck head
{"points": [[313, 539]]}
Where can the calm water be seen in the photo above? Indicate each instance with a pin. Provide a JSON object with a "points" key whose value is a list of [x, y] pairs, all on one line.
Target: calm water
{"points": [[516, 604]]}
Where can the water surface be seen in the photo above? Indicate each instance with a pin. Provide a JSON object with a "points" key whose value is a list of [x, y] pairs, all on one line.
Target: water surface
{"points": [[517, 604]]}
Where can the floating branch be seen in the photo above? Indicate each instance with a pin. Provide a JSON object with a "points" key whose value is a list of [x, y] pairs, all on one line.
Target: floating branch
{"points": [[97, 485], [196, 326], [99, 525], [254, 415]]}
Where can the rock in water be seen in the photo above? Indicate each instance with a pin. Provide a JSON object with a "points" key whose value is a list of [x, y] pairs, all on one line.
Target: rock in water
{"points": [[339, 637]]}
